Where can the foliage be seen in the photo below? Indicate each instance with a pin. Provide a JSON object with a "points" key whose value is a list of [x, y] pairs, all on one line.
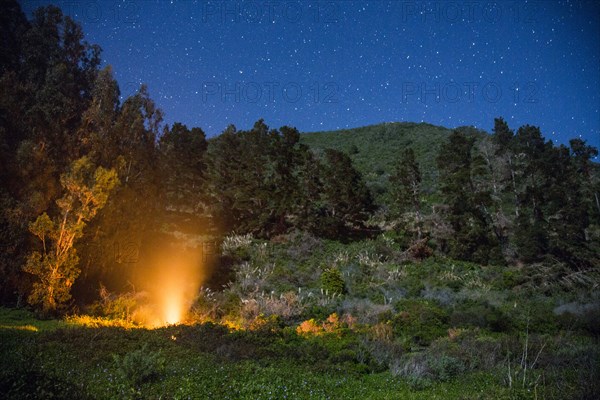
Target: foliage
{"points": [[139, 367], [420, 321], [347, 200], [55, 266], [182, 152], [398, 260], [406, 188], [459, 166], [332, 281]]}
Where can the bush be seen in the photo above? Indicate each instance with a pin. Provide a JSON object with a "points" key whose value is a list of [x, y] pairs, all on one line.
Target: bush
{"points": [[303, 245], [414, 368], [366, 311], [419, 250], [584, 317], [475, 314], [422, 369], [139, 367], [309, 327], [117, 306], [332, 281], [444, 368], [237, 244], [316, 311], [420, 320]]}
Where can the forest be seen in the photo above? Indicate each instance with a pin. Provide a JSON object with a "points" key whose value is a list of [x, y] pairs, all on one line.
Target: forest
{"points": [[401, 258]]}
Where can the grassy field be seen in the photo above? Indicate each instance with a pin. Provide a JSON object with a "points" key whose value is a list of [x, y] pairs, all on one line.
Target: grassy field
{"points": [[67, 360], [308, 318]]}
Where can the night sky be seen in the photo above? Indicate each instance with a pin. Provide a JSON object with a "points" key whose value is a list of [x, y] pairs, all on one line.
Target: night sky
{"points": [[323, 65]]}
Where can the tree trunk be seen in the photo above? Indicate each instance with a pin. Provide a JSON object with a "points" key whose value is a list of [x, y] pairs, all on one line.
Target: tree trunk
{"points": [[514, 185]]}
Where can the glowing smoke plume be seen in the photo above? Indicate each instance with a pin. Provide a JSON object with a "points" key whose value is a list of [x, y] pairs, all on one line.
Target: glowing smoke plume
{"points": [[171, 284]]}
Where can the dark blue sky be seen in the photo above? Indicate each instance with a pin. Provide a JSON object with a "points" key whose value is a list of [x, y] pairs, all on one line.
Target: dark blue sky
{"points": [[321, 65]]}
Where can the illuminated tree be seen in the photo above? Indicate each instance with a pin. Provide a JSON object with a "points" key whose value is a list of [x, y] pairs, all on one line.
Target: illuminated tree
{"points": [[55, 266]]}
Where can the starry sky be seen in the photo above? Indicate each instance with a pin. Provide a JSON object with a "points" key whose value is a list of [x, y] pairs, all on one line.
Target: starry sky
{"points": [[324, 65]]}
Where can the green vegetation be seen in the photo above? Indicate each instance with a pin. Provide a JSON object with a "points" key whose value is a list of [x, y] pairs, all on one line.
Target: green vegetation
{"points": [[399, 260], [374, 149], [432, 329]]}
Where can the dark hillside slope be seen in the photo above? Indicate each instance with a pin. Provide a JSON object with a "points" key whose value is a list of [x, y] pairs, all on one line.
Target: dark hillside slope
{"points": [[374, 149]]}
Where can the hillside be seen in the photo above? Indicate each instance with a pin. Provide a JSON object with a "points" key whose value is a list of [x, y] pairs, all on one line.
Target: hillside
{"points": [[374, 149]]}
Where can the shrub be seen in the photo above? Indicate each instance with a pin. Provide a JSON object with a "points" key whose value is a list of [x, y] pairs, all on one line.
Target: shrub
{"points": [[332, 281], [419, 250], [205, 307], [309, 327], [445, 367], [118, 306], [382, 331], [585, 317], [234, 243], [420, 320], [366, 311], [474, 350], [332, 324], [303, 245], [251, 278], [414, 368], [379, 355], [317, 311], [475, 314], [262, 323], [139, 367]]}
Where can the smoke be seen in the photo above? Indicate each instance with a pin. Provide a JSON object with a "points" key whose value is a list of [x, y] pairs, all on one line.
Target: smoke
{"points": [[170, 280]]}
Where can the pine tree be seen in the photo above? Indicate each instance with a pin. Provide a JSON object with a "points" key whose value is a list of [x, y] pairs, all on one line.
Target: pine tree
{"points": [[182, 156], [532, 179], [348, 203], [458, 165], [406, 188], [582, 155]]}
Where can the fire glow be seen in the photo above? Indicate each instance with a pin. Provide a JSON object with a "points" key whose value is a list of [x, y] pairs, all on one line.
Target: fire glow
{"points": [[171, 284]]}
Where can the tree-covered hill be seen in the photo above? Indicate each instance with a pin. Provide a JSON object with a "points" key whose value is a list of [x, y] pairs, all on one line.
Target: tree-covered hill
{"points": [[374, 149], [86, 174]]}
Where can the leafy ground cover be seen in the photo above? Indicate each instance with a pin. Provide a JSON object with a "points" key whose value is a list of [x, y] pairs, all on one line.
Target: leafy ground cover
{"points": [[307, 318]]}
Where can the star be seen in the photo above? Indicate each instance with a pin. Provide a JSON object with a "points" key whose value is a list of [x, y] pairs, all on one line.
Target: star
{"points": [[369, 53]]}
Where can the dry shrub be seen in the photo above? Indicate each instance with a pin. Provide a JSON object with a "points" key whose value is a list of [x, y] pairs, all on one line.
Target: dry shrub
{"points": [[250, 279], [250, 310], [349, 321], [365, 311], [413, 367], [382, 331], [287, 305], [419, 250], [332, 324], [234, 242], [312, 327], [309, 327], [206, 308]]}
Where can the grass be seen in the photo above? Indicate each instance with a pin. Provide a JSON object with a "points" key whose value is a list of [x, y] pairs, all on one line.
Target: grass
{"points": [[80, 361], [381, 327], [20, 319]]}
